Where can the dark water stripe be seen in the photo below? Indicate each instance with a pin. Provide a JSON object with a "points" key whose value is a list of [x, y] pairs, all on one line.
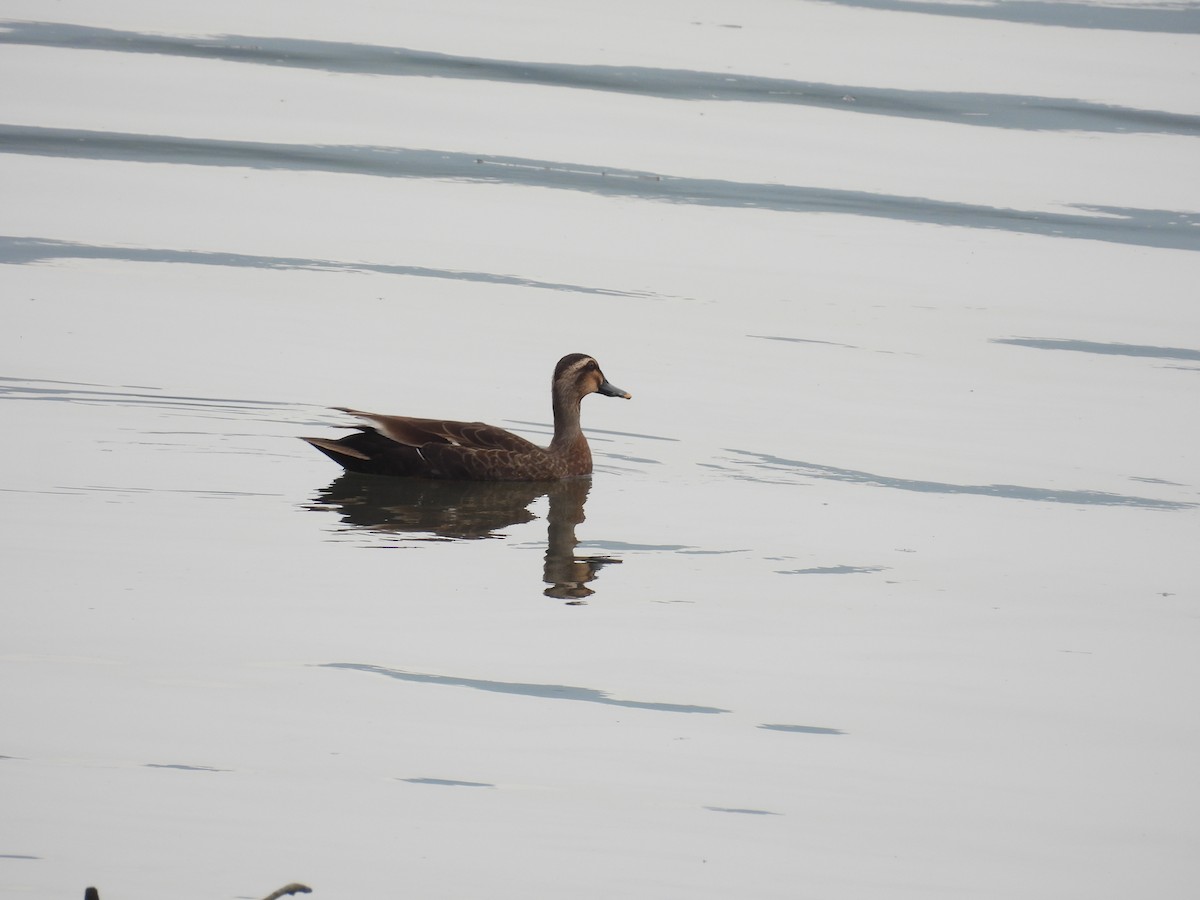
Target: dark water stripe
{"points": [[185, 768], [24, 250], [796, 340], [802, 729], [1108, 349], [1005, 491], [1169, 229], [448, 782], [1020, 111], [1166, 18], [24, 389], [833, 570], [544, 691]]}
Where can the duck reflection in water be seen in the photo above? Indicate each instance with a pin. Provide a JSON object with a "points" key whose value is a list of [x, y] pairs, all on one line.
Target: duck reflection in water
{"points": [[466, 510]]}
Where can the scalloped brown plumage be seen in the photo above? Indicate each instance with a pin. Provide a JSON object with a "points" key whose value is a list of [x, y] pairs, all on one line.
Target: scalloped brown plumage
{"points": [[474, 451]]}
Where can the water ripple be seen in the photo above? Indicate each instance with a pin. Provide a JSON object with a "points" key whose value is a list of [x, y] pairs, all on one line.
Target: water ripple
{"points": [[1163, 18], [1171, 229], [795, 467], [25, 250], [544, 691], [1105, 348], [1026, 112]]}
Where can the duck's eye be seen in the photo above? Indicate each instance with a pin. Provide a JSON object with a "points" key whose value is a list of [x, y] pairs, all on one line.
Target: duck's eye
{"points": [[591, 366]]}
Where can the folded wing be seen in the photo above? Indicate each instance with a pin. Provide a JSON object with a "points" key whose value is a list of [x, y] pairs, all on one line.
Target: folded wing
{"points": [[414, 432]]}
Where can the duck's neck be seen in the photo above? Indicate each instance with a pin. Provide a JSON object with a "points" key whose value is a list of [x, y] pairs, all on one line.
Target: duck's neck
{"points": [[566, 418]]}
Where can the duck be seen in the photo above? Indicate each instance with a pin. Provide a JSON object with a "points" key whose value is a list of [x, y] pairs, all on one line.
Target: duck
{"points": [[474, 451]]}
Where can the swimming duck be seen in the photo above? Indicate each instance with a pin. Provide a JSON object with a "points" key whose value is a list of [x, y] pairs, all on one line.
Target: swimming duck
{"points": [[473, 451]]}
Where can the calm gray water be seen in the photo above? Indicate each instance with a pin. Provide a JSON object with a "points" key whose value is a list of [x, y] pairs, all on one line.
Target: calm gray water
{"points": [[890, 558]]}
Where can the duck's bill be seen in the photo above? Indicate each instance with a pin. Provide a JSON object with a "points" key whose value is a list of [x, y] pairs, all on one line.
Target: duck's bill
{"points": [[611, 390]]}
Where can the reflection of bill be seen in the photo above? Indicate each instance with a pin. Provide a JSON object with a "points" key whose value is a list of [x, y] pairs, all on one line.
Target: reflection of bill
{"points": [[432, 509]]}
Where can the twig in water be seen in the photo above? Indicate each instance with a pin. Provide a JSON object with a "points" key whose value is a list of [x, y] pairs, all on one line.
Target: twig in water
{"points": [[293, 888]]}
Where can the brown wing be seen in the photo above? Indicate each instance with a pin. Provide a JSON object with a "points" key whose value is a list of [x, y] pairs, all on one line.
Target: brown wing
{"points": [[480, 464], [372, 452], [414, 432]]}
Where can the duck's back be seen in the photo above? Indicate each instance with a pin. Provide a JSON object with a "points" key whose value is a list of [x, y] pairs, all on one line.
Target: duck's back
{"points": [[428, 448]]}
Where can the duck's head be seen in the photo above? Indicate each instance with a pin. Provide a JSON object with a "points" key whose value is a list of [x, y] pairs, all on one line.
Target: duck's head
{"points": [[579, 374]]}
